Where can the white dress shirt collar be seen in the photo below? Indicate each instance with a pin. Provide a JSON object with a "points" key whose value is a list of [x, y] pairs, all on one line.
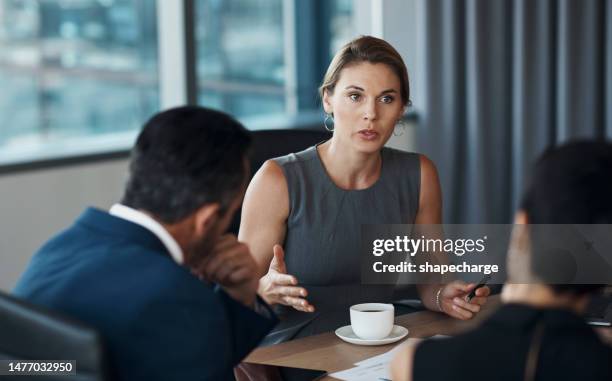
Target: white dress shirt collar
{"points": [[142, 219]]}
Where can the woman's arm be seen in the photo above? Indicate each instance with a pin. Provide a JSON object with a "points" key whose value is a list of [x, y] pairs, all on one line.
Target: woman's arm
{"points": [[263, 225], [265, 209], [450, 296], [430, 213], [430, 195]]}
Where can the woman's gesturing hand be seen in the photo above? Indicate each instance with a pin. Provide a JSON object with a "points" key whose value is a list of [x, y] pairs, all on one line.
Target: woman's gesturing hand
{"points": [[278, 287]]}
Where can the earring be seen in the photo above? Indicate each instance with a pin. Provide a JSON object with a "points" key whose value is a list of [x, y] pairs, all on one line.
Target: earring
{"points": [[327, 118], [400, 123]]}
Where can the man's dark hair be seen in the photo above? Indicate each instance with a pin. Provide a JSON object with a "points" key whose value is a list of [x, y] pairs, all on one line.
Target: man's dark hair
{"points": [[184, 158], [571, 184]]}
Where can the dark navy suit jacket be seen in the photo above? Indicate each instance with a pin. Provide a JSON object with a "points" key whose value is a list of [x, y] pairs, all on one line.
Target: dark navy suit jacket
{"points": [[159, 321]]}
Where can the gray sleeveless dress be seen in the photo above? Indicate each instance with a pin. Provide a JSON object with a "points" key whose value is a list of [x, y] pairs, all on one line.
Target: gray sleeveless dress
{"points": [[323, 236]]}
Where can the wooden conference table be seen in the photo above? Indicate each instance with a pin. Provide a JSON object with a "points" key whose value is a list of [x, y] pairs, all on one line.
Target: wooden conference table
{"points": [[327, 352]]}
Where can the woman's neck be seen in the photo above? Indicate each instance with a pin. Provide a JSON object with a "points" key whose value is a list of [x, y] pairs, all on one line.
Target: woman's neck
{"points": [[543, 296], [348, 168]]}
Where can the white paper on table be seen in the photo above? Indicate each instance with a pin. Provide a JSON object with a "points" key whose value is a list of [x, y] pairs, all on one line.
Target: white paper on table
{"points": [[374, 368], [371, 372], [439, 337], [386, 357]]}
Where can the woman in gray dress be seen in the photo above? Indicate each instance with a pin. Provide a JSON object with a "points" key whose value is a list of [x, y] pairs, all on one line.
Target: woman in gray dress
{"points": [[303, 212]]}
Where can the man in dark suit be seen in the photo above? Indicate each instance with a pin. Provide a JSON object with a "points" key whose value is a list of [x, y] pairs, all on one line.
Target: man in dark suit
{"points": [[173, 297]]}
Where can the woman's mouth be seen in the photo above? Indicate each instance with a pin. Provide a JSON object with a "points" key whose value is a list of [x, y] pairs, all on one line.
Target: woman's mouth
{"points": [[368, 134]]}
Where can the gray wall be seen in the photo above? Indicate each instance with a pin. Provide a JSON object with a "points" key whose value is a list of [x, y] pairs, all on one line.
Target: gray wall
{"points": [[36, 204]]}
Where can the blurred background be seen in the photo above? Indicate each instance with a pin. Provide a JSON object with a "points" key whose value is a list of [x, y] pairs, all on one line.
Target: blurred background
{"points": [[493, 83]]}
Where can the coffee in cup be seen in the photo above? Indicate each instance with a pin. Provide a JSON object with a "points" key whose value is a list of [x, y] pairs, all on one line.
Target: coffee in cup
{"points": [[372, 321]]}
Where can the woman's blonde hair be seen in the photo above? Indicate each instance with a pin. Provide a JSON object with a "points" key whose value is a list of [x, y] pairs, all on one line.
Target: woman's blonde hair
{"points": [[367, 49]]}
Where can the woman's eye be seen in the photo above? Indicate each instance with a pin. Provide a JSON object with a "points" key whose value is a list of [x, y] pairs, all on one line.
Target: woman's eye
{"points": [[386, 99], [354, 97]]}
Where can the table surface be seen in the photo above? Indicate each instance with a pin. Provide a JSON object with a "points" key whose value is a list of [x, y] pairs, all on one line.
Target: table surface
{"points": [[327, 352]]}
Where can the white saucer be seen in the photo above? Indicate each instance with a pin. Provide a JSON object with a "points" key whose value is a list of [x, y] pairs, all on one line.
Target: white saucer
{"points": [[346, 333]]}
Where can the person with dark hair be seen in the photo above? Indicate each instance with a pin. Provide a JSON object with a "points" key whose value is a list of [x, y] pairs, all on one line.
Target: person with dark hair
{"points": [[539, 332], [173, 297]]}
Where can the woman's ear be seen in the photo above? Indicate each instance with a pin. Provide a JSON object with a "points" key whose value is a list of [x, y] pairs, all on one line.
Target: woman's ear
{"points": [[327, 102], [400, 115]]}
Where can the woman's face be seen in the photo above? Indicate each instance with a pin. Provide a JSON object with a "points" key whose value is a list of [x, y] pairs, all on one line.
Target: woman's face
{"points": [[366, 105]]}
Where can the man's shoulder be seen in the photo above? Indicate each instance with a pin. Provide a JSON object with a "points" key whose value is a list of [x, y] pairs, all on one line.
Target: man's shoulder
{"points": [[79, 247], [79, 261]]}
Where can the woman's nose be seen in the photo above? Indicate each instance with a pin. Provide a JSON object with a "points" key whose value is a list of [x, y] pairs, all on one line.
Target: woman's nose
{"points": [[370, 111]]}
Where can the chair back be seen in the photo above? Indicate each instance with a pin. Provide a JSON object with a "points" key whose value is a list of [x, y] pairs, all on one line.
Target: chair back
{"points": [[268, 144], [29, 332]]}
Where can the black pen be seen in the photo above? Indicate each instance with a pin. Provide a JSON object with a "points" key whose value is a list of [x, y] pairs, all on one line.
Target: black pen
{"points": [[482, 282]]}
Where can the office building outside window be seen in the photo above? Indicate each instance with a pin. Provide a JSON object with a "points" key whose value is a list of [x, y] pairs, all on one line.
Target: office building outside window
{"points": [[262, 57], [241, 65], [74, 69], [79, 76]]}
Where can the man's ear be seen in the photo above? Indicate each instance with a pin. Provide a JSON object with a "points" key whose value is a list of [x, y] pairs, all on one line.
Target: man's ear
{"points": [[519, 251], [327, 102], [205, 218], [520, 233], [520, 218]]}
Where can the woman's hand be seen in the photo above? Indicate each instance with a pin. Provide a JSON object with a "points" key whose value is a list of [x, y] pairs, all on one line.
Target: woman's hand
{"points": [[278, 287], [453, 299]]}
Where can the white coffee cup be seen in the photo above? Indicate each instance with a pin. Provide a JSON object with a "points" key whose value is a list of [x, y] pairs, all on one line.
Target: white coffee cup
{"points": [[372, 321]]}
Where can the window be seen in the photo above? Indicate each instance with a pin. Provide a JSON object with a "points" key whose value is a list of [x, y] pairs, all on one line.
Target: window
{"points": [[240, 50], [263, 57], [71, 69], [341, 24], [82, 76]]}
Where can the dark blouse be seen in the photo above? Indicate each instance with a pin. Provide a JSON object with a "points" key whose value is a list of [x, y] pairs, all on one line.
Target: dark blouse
{"points": [[497, 350]]}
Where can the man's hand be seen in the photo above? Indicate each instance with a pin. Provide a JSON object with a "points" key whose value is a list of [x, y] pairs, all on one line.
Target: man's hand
{"points": [[453, 301], [402, 363], [231, 265]]}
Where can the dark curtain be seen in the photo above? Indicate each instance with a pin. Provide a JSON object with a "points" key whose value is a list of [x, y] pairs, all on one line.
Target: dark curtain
{"points": [[504, 79]]}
